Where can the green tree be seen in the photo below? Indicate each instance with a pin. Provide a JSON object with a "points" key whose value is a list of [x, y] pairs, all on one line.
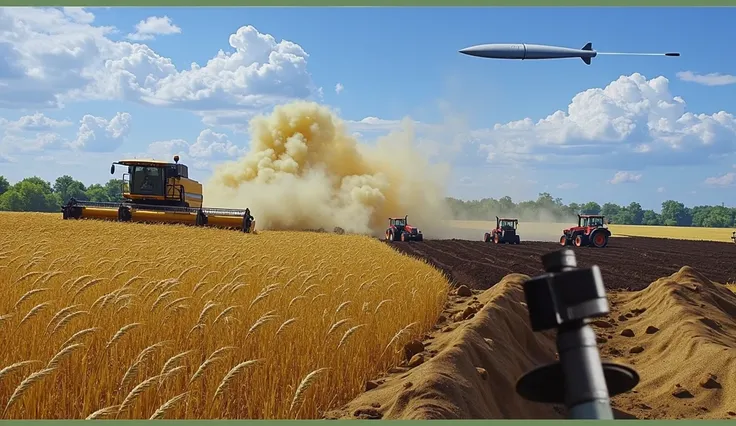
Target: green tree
{"points": [[66, 187], [674, 213], [590, 208], [31, 194], [4, 185], [650, 217], [610, 210], [97, 192], [637, 214], [114, 189]]}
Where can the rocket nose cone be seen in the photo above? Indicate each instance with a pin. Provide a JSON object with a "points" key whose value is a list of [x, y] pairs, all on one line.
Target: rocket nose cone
{"points": [[472, 51]]}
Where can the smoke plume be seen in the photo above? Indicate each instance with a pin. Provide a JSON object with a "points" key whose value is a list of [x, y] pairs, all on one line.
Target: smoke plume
{"points": [[305, 171]]}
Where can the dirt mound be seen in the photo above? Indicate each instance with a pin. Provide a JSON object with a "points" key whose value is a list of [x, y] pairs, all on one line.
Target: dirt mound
{"points": [[627, 263], [679, 333], [471, 364], [682, 329]]}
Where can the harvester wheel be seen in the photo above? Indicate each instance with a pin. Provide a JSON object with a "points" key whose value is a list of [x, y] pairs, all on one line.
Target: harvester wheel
{"points": [[486, 237], [563, 241], [599, 239]]}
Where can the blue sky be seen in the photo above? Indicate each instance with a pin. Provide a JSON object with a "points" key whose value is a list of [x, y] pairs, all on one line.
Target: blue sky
{"points": [[82, 87]]}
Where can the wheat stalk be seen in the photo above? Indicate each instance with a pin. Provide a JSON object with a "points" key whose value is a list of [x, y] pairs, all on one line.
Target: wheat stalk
{"points": [[64, 321], [262, 320], [348, 334], [63, 353], [28, 294], [34, 311], [25, 385], [232, 374], [166, 406], [283, 326], [13, 367], [398, 335], [305, 384], [122, 332], [79, 334], [136, 393], [202, 369], [104, 412]]}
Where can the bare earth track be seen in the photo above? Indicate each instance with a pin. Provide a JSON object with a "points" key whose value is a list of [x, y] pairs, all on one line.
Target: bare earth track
{"points": [[627, 263]]}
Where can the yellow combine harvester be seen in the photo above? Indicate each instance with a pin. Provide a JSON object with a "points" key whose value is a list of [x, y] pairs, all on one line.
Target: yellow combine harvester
{"points": [[157, 191]]}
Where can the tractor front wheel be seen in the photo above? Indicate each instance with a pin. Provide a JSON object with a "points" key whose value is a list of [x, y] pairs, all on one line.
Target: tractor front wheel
{"points": [[563, 241], [599, 240], [496, 239], [404, 237], [579, 241], [487, 238]]}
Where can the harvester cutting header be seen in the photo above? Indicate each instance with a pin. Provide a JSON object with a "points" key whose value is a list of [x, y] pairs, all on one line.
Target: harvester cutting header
{"points": [[158, 191]]}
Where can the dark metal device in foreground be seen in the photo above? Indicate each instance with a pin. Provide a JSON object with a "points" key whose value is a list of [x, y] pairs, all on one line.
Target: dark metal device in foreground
{"points": [[566, 298]]}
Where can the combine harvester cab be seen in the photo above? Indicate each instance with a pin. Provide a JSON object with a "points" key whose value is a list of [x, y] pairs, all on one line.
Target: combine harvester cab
{"points": [[504, 233], [159, 192], [590, 232], [400, 230]]}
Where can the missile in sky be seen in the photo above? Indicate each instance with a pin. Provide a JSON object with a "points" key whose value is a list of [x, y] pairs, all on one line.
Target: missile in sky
{"points": [[541, 51]]}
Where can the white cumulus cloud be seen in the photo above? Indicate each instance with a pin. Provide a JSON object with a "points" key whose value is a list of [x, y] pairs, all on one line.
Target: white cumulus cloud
{"points": [[625, 177], [153, 26], [49, 57], [36, 122], [633, 120], [209, 146], [97, 134], [727, 179], [712, 79]]}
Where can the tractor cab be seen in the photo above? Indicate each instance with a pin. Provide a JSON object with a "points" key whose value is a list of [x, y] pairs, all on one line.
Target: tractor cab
{"points": [[159, 183], [591, 221], [398, 223], [504, 224]]}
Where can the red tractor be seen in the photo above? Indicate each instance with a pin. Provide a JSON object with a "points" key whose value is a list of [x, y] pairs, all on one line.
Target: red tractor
{"points": [[504, 233], [590, 232], [400, 230]]}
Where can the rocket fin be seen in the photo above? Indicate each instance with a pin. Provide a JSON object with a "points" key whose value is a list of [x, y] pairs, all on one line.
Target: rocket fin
{"points": [[588, 46], [586, 60]]}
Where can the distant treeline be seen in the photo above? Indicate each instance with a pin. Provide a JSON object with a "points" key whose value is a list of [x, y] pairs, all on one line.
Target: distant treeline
{"points": [[37, 195]]}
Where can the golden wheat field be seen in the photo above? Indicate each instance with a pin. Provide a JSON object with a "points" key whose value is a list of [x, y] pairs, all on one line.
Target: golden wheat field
{"points": [[123, 320]]}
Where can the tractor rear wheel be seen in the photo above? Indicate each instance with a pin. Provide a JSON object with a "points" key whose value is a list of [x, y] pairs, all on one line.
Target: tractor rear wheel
{"points": [[517, 240], [599, 240], [486, 237]]}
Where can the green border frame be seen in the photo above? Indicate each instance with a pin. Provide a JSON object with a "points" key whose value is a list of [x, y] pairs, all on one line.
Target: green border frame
{"points": [[359, 3], [370, 3]]}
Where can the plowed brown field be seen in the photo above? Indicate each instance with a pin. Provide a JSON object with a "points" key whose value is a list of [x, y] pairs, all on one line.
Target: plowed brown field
{"points": [[626, 263]]}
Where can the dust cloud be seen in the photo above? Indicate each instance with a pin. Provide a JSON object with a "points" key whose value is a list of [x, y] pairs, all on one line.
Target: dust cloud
{"points": [[304, 171]]}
